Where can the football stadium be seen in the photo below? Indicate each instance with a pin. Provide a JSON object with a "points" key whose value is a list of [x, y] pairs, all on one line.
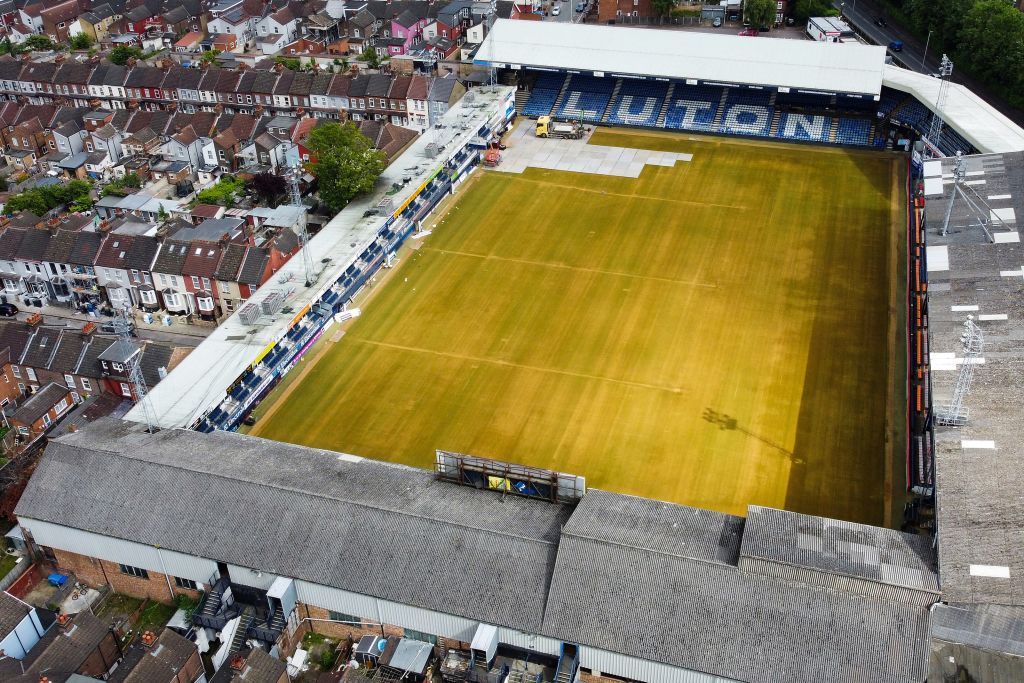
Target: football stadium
{"points": [[714, 332], [662, 356]]}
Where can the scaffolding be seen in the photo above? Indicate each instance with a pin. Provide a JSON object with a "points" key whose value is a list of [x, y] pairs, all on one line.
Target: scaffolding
{"points": [[972, 339]]}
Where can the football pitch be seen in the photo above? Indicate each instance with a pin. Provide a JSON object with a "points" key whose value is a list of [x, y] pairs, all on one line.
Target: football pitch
{"points": [[717, 333]]}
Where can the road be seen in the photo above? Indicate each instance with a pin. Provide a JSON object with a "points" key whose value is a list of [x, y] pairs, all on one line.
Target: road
{"points": [[861, 14], [566, 10], [163, 334]]}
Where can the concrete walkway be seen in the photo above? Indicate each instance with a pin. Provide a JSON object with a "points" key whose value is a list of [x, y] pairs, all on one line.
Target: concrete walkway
{"points": [[526, 150]]}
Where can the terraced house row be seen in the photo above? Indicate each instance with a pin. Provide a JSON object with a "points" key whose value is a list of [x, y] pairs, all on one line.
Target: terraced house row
{"points": [[409, 101]]}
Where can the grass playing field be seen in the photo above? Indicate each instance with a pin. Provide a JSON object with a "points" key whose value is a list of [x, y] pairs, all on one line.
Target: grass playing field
{"points": [[714, 334]]}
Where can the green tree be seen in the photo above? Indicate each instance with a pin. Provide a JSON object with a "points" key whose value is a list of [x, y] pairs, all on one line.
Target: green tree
{"points": [[39, 200], [210, 56], [371, 58], [805, 9], [759, 12], [663, 7], [991, 46], [37, 42], [224, 193], [82, 41], [122, 53], [290, 63], [346, 163]]}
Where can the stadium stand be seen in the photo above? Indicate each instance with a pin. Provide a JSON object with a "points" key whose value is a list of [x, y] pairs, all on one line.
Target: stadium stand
{"points": [[809, 127], [854, 131], [747, 112], [638, 103], [586, 98], [545, 92], [693, 107]]}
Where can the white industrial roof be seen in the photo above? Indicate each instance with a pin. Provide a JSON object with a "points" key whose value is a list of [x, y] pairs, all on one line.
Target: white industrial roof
{"points": [[199, 383], [968, 114], [803, 64]]}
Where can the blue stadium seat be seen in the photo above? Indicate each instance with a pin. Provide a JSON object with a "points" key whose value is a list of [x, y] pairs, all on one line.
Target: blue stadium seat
{"points": [[915, 115], [889, 100], [811, 127], [638, 103], [693, 107], [586, 98], [747, 112], [854, 132]]}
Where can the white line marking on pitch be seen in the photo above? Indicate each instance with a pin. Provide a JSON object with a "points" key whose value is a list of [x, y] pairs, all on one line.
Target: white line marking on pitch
{"points": [[967, 444], [1006, 237], [994, 316], [963, 308], [993, 197]]}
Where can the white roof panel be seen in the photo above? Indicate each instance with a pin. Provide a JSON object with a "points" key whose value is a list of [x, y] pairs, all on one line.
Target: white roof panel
{"points": [[804, 64], [965, 112]]}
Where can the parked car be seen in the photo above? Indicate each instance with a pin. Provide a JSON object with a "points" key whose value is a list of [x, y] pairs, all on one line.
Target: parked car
{"points": [[717, 22], [734, 17], [896, 46], [748, 32], [880, 21], [111, 328], [556, 11], [580, 6], [8, 310]]}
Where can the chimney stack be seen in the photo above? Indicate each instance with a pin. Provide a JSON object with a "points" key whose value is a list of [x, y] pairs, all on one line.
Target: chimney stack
{"points": [[237, 662], [63, 621], [148, 639]]}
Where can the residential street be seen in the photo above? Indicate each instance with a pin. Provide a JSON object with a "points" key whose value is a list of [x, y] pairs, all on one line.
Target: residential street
{"points": [[178, 334]]}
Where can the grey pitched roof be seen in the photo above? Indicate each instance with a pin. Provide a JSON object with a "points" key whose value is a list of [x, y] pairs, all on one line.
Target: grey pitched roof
{"points": [[40, 403], [230, 262], [171, 257], [253, 266], [154, 357], [831, 546], [33, 247], [489, 557], [12, 611], [140, 255], [87, 245], [63, 650], [163, 660], [652, 580]]}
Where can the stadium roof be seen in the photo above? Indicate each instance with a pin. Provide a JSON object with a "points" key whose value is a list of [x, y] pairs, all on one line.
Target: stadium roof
{"points": [[968, 114], [802, 64], [199, 383], [646, 579], [979, 467]]}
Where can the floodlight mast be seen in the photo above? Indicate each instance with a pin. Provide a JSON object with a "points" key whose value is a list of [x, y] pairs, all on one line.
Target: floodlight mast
{"points": [[935, 130], [293, 176], [125, 329]]}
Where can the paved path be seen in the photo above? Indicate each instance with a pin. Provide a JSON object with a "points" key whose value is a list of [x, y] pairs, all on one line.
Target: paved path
{"points": [[526, 150]]}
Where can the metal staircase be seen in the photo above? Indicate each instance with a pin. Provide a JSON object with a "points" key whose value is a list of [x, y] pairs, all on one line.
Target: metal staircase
{"points": [[665, 105], [833, 129], [238, 642], [776, 117], [611, 102]]}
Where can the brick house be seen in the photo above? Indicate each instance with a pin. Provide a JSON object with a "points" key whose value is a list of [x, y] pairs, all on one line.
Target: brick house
{"points": [[41, 410], [57, 20], [79, 644], [170, 658], [608, 11]]}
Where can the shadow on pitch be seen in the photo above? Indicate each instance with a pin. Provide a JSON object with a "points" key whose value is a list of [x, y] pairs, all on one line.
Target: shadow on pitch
{"points": [[729, 423]]}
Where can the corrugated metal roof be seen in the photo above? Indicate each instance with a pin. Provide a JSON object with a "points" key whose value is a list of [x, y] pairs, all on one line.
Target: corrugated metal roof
{"points": [[838, 547], [807, 64]]}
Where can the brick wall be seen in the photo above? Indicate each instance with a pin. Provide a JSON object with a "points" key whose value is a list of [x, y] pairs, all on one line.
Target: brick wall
{"points": [[96, 572]]}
